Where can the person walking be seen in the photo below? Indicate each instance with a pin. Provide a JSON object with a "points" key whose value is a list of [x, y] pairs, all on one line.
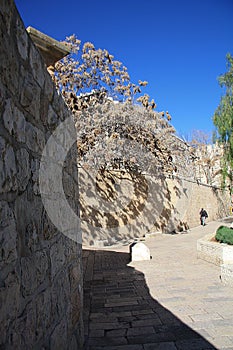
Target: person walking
{"points": [[203, 216]]}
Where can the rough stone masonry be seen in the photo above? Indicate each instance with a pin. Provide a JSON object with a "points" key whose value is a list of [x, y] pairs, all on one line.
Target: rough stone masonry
{"points": [[40, 268]]}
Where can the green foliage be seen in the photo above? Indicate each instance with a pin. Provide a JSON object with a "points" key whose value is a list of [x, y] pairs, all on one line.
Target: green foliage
{"points": [[223, 119], [224, 235]]}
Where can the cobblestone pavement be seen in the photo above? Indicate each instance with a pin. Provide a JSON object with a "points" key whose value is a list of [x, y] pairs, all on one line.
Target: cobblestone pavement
{"points": [[172, 302]]}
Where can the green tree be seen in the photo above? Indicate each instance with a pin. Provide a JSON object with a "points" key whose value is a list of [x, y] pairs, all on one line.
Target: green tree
{"points": [[223, 120]]}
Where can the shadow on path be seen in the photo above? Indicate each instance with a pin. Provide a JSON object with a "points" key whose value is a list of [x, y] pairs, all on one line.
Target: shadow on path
{"points": [[120, 314]]}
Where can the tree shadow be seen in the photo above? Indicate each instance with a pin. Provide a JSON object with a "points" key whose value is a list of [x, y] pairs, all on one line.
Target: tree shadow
{"points": [[119, 206], [119, 310]]}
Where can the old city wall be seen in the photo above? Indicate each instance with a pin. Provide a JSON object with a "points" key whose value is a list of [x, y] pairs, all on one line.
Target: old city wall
{"points": [[119, 207], [40, 268], [187, 199]]}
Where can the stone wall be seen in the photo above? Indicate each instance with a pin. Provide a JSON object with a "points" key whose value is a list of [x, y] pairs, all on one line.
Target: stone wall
{"points": [[213, 251], [117, 207], [40, 268], [188, 197]]}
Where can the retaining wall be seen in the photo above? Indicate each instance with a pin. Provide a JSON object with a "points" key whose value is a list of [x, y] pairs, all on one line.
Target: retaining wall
{"points": [[117, 207], [40, 268]]}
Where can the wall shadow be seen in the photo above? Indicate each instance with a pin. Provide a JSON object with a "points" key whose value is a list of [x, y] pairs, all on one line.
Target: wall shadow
{"points": [[119, 310], [119, 206]]}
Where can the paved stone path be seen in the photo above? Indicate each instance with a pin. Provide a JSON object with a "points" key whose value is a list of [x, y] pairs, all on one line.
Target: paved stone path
{"points": [[172, 302]]}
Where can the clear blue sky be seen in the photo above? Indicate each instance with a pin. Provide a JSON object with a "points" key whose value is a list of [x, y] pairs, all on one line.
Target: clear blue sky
{"points": [[178, 46]]}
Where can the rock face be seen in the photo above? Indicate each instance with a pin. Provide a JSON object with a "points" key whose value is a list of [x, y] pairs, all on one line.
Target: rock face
{"points": [[40, 268]]}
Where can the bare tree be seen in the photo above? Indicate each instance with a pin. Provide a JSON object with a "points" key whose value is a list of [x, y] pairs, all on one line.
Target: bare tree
{"points": [[91, 82], [208, 156]]}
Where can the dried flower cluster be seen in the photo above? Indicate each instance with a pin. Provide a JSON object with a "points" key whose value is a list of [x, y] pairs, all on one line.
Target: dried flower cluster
{"points": [[90, 68], [115, 128]]}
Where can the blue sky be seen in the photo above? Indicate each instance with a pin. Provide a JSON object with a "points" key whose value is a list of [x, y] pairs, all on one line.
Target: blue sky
{"points": [[178, 46]]}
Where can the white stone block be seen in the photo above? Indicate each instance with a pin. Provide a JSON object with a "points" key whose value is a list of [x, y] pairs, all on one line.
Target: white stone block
{"points": [[214, 252], [139, 252], [228, 254], [227, 274]]}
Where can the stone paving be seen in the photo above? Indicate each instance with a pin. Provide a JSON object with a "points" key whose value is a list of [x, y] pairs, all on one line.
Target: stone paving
{"points": [[172, 302]]}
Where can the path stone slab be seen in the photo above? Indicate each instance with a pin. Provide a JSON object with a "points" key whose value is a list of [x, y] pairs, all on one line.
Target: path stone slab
{"points": [[160, 346], [182, 304]]}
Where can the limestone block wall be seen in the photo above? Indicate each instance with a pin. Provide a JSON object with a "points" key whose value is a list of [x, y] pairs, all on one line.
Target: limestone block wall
{"points": [[40, 268], [214, 252], [188, 197], [117, 207]]}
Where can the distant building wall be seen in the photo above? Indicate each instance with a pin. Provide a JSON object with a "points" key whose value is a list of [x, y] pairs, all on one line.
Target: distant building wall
{"points": [[208, 168], [41, 299], [188, 199]]}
